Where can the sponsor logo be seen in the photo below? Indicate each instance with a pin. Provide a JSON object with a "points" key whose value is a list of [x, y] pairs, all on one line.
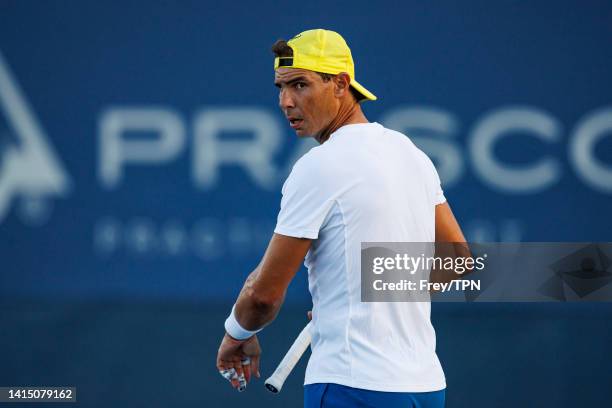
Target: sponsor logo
{"points": [[30, 171]]}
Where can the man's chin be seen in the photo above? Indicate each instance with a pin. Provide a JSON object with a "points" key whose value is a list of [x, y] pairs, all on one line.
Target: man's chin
{"points": [[302, 133]]}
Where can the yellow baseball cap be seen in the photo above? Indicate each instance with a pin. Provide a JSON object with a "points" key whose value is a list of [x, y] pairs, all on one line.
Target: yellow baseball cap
{"points": [[322, 51]]}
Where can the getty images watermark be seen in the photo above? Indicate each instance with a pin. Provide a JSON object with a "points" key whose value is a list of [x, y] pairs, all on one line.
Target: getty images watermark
{"points": [[503, 272]]}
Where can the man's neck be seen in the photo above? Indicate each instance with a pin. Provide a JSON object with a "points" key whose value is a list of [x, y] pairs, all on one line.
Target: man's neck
{"points": [[349, 116]]}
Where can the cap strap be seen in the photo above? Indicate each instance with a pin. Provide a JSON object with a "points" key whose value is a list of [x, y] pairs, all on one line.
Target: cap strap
{"points": [[285, 61]]}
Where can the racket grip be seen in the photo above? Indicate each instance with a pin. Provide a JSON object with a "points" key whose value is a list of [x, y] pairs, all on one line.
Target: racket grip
{"points": [[275, 382]]}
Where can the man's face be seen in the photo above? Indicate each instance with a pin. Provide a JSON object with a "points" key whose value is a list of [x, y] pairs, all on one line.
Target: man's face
{"points": [[307, 101]]}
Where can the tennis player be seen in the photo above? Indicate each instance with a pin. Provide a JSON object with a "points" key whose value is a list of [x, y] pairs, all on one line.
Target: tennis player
{"points": [[362, 183]]}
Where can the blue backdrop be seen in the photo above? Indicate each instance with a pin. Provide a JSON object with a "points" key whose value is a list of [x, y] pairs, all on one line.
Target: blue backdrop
{"points": [[142, 154]]}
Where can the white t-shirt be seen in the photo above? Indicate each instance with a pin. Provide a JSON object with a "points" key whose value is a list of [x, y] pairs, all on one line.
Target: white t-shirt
{"points": [[365, 184]]}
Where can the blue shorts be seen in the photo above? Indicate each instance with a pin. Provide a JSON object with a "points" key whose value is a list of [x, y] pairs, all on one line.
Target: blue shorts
{"points": [[340, 396]]}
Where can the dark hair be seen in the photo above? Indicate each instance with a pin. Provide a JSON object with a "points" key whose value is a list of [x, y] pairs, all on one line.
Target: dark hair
{"points": [[281, 49]]}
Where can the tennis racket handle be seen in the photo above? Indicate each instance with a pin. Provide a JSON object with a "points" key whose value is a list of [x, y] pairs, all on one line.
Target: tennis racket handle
{"points": [[299, 346]]}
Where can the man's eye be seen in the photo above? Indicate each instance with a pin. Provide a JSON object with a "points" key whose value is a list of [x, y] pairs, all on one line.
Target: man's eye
{"points": [[300, 85]]}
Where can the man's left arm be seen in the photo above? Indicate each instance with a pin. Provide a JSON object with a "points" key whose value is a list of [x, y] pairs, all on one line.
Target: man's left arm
{"points": [[259, 302]]}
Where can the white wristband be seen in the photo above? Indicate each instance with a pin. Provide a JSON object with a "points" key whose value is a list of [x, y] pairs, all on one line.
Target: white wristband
{"points": [[234, 329]]}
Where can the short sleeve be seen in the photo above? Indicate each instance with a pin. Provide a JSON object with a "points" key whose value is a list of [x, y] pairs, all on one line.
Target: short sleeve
{"points": [[305, 204], [439, 193], [436, 185]]}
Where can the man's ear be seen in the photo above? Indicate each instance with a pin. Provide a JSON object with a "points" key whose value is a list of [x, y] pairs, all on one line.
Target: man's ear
{"points": [[343, 82]]}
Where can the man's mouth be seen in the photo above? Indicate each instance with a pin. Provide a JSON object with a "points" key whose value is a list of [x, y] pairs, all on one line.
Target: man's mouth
{"points": [[295, 122]]}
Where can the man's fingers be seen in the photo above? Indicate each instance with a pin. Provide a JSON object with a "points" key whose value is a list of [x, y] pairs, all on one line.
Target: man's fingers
{"points": [[236, 381], [233, 372], [246, 366], [309, 314], [255, 366], [238, 367], [228, 374], [239, 382]]}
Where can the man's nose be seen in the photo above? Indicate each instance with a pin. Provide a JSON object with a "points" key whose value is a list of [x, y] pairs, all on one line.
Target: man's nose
{"points": [[285, 101]]}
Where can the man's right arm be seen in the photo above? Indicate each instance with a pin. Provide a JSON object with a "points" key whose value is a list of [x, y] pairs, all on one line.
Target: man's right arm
{"points": [[450, 241], [447, 227]]}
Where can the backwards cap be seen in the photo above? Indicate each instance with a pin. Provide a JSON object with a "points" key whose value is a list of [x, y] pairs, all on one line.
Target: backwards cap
{"points": [[322, 51]]}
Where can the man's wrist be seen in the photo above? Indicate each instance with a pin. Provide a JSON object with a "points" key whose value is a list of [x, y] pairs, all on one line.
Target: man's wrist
{"points": [[233, 340], [235, 330]]}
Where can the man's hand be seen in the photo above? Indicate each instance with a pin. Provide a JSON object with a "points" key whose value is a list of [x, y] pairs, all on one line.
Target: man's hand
{"points": [[257, 305], [240, 355]]}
